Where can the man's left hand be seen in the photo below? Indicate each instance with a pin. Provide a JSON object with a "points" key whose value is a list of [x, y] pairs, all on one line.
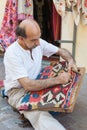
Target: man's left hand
{"points": [[72, 65]]}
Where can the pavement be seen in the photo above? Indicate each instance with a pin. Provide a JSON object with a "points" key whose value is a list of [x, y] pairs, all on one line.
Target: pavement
{"points": [[77, 120]]}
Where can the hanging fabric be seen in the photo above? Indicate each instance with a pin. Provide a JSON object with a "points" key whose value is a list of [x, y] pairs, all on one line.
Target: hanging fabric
{"points": [[60, 6], [25, 9], [48, 18], [56, 24], [7, 31], [38, 13], [12, 17], [84, 12], [77, 11], [43, 15], [75, 5]]}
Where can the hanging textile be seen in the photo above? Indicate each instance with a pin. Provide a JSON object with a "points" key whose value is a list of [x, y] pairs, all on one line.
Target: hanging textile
{"points": [[7, 31], [25, 9], [74, 5], [56, 24], [39, 15], [48, 18], [12, 17], [60, 6], [43, 15], [84, 12], [77, 11]]}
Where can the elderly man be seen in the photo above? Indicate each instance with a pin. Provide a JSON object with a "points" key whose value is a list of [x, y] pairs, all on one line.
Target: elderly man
{"points": [[22, 62]]}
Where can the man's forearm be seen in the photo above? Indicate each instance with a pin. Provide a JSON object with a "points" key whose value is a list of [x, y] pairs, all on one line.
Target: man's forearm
{"points": [[34, 85], [65, 54]]}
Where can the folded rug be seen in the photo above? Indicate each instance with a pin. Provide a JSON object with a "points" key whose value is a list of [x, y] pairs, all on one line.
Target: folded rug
{"points": [[59, 98]]}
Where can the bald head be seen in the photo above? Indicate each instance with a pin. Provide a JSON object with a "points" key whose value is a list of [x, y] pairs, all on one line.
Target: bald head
{"points": [[28, 33], [27, 27], [28, 22]]}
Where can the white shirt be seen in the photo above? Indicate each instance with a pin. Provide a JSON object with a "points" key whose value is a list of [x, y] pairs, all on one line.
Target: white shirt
{"points": [[18, 62]]}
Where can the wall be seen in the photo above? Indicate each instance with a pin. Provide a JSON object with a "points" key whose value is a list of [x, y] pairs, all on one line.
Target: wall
{"points": [[81, 46]]}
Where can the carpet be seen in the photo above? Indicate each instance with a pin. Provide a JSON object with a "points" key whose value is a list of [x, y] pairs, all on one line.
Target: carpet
{"points": [[60, 98]]}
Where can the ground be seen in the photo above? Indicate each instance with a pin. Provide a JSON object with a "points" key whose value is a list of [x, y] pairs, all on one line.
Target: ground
{"points": [[77, 120]]}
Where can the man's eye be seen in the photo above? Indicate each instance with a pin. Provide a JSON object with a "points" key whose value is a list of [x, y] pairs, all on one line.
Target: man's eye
{"points": [[34, 40]]}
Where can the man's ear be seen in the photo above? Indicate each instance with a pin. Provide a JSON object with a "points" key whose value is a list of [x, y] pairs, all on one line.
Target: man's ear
{"points": [[20, 38]]}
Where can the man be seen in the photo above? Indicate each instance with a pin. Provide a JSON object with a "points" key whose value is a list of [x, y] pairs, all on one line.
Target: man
{"points": [[22, 62]]}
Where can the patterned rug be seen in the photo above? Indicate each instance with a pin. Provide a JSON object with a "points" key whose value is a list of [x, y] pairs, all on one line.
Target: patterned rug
{"points": [[1, 83], [59, 98]]}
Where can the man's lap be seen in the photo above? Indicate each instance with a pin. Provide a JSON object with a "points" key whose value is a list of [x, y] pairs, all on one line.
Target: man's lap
{"points": [[14, 96]]}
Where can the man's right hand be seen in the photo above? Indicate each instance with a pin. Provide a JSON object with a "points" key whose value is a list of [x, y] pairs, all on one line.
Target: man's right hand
{"points": [[63, 78]]}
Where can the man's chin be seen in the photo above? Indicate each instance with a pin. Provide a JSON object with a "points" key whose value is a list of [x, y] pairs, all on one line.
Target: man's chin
{"points": [[31, 48]]}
